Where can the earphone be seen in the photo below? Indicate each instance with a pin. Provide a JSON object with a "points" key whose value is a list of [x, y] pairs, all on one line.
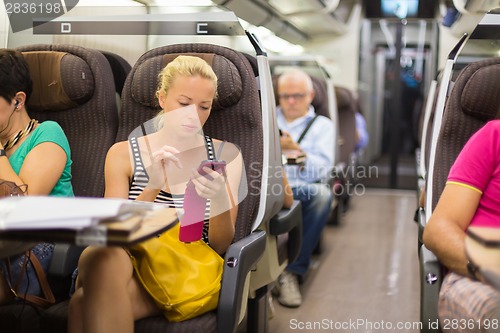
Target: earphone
{"points": [[15, 108]]}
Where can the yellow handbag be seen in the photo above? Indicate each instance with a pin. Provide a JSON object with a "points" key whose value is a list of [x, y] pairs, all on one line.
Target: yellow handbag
{"points": [[183, 278]]}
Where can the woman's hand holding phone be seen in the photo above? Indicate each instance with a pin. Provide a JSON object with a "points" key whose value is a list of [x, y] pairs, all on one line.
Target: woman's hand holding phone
{"points": [[209, 180]]}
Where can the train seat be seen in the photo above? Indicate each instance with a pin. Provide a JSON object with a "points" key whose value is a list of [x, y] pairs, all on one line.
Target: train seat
{"points": [[342, 173], [89, 118], [320, 100], [474, 100], [283, 230], [286, 226], [81, 103], [346, 106], [120, 68], [321, 106], [236, 117]]}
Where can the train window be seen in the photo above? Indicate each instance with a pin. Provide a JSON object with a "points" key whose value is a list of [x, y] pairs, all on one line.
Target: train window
{"points": [[400, 9]]}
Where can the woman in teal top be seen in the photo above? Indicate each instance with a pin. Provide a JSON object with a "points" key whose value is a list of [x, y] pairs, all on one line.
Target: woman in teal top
{"points": [[32, 154], [48, 131]]}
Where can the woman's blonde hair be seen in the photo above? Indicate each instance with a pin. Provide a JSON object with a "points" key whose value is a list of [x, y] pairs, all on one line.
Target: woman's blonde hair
{"points": [[186, 66]]}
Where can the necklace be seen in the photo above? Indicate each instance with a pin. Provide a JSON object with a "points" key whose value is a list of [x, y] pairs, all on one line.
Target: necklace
{"points": [[21, 134]]}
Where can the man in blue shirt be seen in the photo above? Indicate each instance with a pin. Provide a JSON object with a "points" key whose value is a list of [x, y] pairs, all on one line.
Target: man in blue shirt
{"points": [[295, 113]]}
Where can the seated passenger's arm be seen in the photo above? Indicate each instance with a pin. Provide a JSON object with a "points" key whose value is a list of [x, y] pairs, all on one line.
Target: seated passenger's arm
{"points": [[472, 173], [445, 233], [42, 168], [117, 171], [287, 192]]}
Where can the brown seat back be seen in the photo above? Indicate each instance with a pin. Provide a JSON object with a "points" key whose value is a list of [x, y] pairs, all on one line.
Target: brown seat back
{"points": [[74, 86], [474, 100], [120, 68], [346, 106]]}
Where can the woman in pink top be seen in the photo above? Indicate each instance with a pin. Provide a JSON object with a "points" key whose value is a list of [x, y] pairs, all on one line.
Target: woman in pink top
{"points": [[471, 197]]}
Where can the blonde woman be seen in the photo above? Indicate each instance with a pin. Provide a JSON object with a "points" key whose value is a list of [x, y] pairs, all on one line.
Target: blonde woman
{"points": [[108, 296]]}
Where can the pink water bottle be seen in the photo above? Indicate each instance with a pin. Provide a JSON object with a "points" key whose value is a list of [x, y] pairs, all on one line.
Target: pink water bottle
{"points": [[191, 224]]}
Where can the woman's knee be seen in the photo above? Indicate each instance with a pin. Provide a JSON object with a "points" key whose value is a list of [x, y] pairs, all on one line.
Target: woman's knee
{"points": [[75, 312], [75, 303], [104, 262]]}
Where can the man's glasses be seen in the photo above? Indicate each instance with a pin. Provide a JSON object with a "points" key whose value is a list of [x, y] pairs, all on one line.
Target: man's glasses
{"points": [[296, 97]]}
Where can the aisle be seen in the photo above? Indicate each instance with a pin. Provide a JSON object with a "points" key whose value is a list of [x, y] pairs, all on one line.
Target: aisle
{"points": [[366, 279]]}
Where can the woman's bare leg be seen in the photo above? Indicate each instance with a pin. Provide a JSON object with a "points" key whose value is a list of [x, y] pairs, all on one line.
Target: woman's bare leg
{"points": [[108, 298]]}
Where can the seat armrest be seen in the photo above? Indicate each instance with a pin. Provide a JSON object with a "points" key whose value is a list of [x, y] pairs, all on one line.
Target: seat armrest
{"points": [[421, 220], [289, 221], [240, 258], [431, 278], [64, 259], [286, 219]]}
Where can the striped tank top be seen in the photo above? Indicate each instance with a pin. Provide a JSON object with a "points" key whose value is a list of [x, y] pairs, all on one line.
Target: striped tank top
{"points": [[140, 179]]}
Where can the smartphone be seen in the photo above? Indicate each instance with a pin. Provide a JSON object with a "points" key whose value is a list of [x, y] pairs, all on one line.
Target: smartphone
{"points": [[217, 165], [191, 224]]}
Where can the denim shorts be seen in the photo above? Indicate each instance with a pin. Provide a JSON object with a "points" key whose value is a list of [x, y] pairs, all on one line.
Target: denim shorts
{"points": [[29, 281]]}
